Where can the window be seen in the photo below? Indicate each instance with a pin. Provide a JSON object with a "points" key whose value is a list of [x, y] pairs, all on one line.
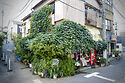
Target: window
{"points": [[91, 15], [108, 24], [53, 9], [86, 12]]}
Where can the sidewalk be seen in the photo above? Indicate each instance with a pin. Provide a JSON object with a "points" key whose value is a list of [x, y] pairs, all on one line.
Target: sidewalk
{"points": [[19, 73]]}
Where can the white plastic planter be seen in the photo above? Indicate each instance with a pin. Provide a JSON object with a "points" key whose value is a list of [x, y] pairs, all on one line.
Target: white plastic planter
{"points": [[42, 74], [39, 73], [54, 76], [30, 65]]}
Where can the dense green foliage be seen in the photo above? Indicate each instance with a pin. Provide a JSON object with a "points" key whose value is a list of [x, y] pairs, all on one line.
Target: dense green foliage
{"points": [[74, 36], [41, 20], [46, 43], [101, 45], [2, 37], [22, 49], [116, 52], [45, 46]]}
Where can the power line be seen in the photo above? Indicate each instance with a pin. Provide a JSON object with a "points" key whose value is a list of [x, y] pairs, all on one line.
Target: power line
{"points": [[25, 5], [119, 12], [24, 9], [58, 0]]}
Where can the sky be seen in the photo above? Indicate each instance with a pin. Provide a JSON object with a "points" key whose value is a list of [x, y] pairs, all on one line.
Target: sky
{"points": [[120, 18], [13, 8], [119, 4]]}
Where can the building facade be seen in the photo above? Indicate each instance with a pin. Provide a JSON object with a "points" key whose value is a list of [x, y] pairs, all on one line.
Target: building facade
{"points": [[87, 13], [14, 27], [26, 25], [119, 45]]}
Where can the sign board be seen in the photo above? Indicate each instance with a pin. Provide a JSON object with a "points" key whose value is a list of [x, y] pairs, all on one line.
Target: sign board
{"points": [[92, 57]]}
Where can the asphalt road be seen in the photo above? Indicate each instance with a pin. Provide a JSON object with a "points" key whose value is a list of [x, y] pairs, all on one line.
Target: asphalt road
{"points": [[115, 73]]}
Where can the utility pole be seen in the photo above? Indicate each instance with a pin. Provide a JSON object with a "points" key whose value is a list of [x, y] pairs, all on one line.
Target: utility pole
{"points": [[116, 28], [2, 19], [104, 26]]}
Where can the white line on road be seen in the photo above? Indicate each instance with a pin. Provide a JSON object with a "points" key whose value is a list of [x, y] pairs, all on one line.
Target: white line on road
{"points": [[95, 74], [92, 74], [104, 78], [37, 81]]}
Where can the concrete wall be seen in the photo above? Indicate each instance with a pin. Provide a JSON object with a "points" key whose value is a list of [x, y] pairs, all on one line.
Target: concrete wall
{"points": [[12, 28], [75, 13], [26, 27], [93, 3]]}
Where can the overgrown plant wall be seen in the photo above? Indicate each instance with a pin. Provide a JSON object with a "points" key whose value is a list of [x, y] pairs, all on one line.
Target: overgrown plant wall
{"points": [[74, 36], [41, 20], [46, 43]]}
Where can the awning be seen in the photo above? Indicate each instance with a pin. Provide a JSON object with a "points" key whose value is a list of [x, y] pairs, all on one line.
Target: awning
{"points": [[95, 33]]}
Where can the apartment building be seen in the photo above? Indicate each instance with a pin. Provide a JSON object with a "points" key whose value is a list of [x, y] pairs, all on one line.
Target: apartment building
{"points": [[88, 13]]}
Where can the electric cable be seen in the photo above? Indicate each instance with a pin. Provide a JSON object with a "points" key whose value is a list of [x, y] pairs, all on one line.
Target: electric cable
{"points": [[24, 9]]}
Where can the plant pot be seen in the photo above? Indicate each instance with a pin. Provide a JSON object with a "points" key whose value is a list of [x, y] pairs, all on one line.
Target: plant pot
{"points": [[18, 59], [39, 73], [102, 64], [51, 75], [54, 76], [30, 65], [42, 74], [35, 72], [25, 63]]}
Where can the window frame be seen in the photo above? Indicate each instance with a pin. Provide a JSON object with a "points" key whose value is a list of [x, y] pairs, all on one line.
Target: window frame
{"points": [[108, 24]]}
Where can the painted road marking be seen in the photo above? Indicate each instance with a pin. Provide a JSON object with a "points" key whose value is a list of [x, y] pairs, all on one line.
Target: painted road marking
{"points": [[90, 75], [104, 78], [37, 81], [95, 74]]}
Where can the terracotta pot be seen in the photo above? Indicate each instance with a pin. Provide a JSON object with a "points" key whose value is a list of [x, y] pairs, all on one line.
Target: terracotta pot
{"points": [[25, 63]]}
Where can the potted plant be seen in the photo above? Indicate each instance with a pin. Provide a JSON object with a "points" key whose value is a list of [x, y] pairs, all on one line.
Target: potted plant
{"points": [[25, 61], [102, 62], [116, 52], [51, 73], [30, 65], [54, 74], [40, 72], [35, 69]]}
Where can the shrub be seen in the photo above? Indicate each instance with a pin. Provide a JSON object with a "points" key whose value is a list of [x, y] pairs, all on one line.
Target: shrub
{"points": [[46, 46], [74, 36], [2, 37], [116, 52], [43, 44], [22, 49]]}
